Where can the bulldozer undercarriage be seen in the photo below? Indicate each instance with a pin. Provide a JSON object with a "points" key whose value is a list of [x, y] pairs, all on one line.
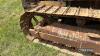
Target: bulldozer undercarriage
{"points": [[64, 25]]}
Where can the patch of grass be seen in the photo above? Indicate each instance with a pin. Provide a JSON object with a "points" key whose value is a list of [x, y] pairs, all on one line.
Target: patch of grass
{"points": [[12, 40]]}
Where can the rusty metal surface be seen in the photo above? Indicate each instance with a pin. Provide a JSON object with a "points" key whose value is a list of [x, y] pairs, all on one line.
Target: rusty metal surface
{"points": [[74, 36], [91, 11], [75, 32], [25, 22], [71, 36], [93, 14], [77, 44]]}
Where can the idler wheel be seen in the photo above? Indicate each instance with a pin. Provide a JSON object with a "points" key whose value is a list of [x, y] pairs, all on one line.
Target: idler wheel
{"points": [[26, 24]]}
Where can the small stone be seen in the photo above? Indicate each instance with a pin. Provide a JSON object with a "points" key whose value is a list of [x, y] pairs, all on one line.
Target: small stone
{"points": [[36, 40], [30, 37]]}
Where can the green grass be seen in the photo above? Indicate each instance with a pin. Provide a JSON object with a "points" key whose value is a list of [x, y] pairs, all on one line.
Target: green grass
{"points": [[12, 40]]}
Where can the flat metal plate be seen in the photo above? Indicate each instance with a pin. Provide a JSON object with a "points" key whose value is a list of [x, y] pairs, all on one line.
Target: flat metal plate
{"points": [[70, 35], [61, 10], [52, 10]]}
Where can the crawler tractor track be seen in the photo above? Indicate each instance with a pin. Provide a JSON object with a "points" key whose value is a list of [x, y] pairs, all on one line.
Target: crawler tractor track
{"points": [[48, 29]]}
